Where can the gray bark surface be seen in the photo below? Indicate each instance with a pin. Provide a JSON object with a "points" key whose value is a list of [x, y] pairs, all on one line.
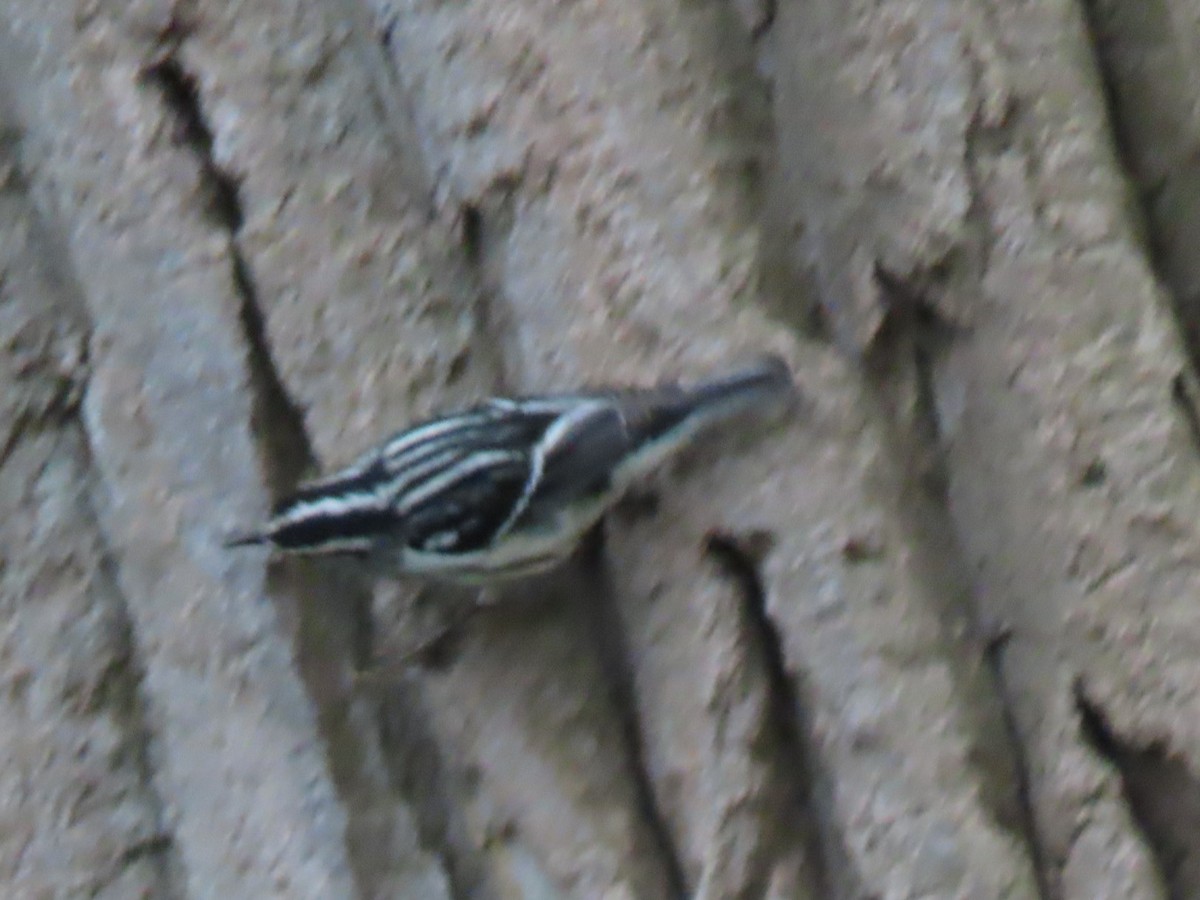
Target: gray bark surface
{"points": [[933, 634]]}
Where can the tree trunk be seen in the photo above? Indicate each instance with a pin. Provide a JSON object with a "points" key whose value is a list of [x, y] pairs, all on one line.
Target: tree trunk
{"points": [[934, 634]]}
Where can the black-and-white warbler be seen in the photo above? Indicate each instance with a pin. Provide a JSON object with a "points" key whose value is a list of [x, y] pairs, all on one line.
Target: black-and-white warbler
{"points": [[510, 486]]}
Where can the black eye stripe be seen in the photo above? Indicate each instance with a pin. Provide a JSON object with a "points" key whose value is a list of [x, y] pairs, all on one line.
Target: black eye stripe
{"points": [[348, 526]]}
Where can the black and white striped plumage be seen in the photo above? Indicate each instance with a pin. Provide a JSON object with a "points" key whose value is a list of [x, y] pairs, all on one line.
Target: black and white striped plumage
{"points": [[510, 486]]}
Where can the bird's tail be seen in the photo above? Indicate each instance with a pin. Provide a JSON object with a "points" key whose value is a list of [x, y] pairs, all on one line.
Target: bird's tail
{"points": [[660, 421], [762, 384]]}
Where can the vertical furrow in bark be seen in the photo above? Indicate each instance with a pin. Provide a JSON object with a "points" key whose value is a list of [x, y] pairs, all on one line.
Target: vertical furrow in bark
{"points": [[148, 220], [342, 241], [626, 189], [937, 174], [331, 606], [82, 814]]}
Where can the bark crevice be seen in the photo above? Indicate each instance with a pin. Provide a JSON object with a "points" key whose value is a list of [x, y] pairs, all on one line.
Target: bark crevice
{"points": [[1162, 793], [181, 94], [618, 668], [1160, 168], [477, 223], [329, 601], [113, 683], [117, 688], [279, 422], [825, 844], [911, 346]]}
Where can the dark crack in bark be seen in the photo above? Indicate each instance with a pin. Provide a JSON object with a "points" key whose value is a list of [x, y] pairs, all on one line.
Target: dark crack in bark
{"points": [[824, 843], [1184, 397], [331, 599], [392, 102], [913, 340], [1130, 85], [912, 334], [479, 229], [788, 289], [479, 220], [471, 226], [279, 423], [418, 769], [618, 669], [1163, 795], [994, 640], [181, 95], [1146, 77], [117, 687]]}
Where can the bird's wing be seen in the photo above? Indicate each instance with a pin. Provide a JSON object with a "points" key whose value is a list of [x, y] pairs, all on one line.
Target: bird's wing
{"points": [[466, 504], [579, 450]]}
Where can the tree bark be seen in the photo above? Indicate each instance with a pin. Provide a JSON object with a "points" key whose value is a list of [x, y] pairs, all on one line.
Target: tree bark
{"points": [[934, 633]]}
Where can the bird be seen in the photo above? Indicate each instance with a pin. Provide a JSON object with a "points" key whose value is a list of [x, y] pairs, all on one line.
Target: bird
{"points": [[508, 487]]}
